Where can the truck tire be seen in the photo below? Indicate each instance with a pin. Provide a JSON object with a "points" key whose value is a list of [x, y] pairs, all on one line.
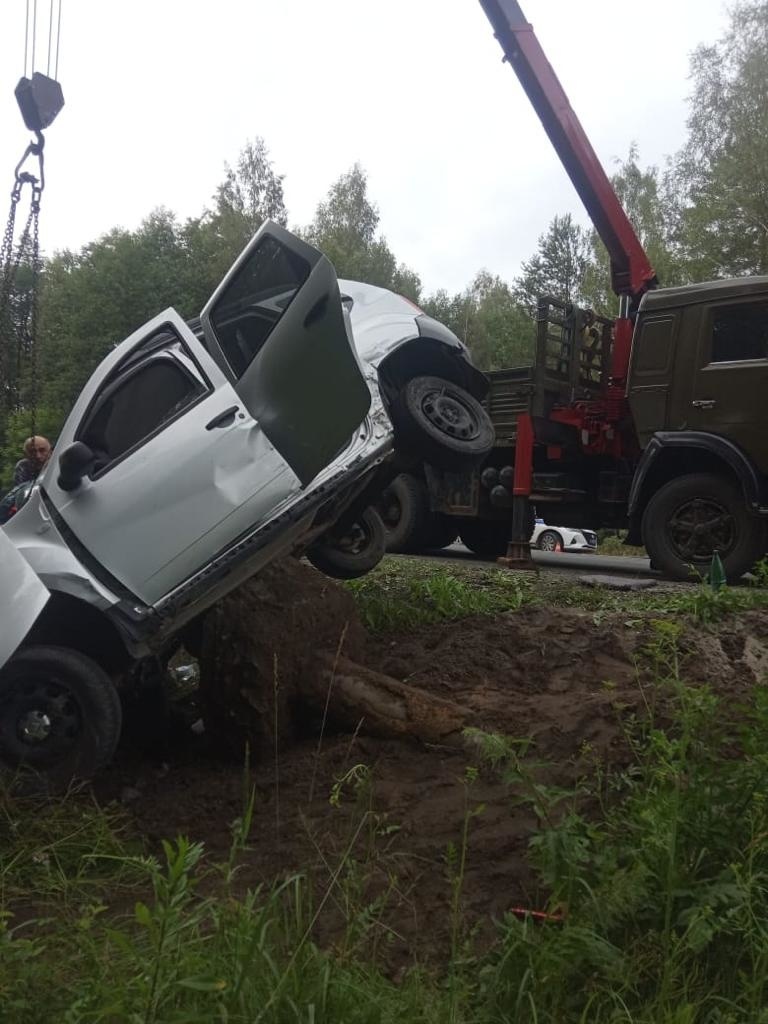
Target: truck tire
{"points": [[353, 552], [441, 424], [486, 538], [404, 509], [691, 517], [60, 719]]}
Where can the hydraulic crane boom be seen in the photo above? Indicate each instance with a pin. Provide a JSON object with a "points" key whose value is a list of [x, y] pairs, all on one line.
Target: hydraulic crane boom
{"points": [[631, 272]]}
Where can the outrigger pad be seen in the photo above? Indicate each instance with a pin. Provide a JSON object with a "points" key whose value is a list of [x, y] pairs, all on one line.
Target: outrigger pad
{"points": [[40, 99]]}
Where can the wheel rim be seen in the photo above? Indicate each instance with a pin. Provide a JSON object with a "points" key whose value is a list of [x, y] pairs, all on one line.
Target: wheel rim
{"points": [[548, 542], [390, 511], [446, 411], [699, 527], [41, 721], [355, 540]]}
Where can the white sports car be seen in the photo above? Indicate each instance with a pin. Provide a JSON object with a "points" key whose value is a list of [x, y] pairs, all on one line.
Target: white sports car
{"points": [[562, 538]]}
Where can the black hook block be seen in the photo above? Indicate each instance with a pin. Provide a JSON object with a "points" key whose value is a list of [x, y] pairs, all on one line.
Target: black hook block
{"points": [[40, 99]]}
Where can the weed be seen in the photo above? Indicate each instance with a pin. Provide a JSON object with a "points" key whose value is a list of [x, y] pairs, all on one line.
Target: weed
{"points": [[395, 597], [667, 895]]}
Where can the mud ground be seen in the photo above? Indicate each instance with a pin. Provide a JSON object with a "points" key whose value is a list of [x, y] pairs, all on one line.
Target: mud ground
{"points": [[568, 680]]}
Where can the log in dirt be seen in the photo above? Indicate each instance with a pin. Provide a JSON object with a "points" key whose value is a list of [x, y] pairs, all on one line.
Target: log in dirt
{"points": [[280, 660]]}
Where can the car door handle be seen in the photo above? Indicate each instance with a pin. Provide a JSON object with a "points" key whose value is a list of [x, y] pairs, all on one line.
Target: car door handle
{"points": [[703, 403], [223, 419]]}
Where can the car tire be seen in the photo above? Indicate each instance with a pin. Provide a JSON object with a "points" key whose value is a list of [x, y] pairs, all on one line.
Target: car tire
{"points": [[675, 545], [441, 424], [345, 555], [486, 538], [548, 541], [60, 719], [404, 510]]}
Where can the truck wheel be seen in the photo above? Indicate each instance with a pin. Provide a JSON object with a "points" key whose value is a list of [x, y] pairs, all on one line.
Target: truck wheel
{"points": [[404, 510], [486, 538], [60, 718], [353, 552], [691, 517], [441, 423]]}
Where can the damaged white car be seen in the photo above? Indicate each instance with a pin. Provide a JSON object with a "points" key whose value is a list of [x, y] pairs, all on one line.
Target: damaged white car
{"points": [[195, 455]]}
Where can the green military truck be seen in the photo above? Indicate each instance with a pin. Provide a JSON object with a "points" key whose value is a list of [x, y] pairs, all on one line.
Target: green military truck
{"points": [[652, 421], [685, 470]]}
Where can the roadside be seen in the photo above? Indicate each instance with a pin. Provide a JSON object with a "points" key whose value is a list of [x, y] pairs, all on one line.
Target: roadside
{"points": [[408, 863]]}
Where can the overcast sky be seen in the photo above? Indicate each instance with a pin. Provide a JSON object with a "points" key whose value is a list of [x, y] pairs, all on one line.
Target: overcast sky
{"points": [[160, 93]]}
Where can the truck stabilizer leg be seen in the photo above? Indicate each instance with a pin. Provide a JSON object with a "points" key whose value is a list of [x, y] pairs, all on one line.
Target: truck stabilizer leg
{"points": [[518, 554]]}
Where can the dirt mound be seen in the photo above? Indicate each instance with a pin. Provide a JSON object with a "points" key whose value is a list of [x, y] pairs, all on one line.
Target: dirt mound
{"points": [[259, 641], [567, 679]]}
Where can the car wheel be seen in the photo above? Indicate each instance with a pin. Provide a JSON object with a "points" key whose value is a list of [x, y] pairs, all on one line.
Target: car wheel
{"points": [[353, 552], [549, 540], [691, 517], [486, 538], [404, 510], [441, 423], [60, 718]]}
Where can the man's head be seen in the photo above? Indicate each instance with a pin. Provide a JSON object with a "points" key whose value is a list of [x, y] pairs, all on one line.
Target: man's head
{"points": [[37, 449]]}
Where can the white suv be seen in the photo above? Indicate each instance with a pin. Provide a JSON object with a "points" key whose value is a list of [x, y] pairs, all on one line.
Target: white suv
{"points": [[193, 458]]}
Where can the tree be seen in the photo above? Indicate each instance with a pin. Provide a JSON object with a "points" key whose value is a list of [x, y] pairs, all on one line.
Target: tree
{"points": [[488, 318], [645, 197], [94, 298], [345, 229], [252, 190], [720, 174], [557, 267], [250, 193]]}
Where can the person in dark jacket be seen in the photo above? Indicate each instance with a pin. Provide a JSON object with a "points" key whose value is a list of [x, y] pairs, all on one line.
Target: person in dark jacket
{"points": [[36, 452]]}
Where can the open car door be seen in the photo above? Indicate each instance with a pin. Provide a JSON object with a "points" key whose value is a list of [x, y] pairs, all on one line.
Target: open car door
{"points": [[277, 328]]}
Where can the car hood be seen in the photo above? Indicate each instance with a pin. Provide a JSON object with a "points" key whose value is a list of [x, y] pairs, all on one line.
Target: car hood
{"points": [[23, 597], [381, 321]]}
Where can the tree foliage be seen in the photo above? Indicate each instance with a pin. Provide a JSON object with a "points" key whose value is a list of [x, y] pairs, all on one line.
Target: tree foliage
{"points": [[646, 196], [557, 267], [721, 174], [345, 228], [489, 319], [704, 215]]}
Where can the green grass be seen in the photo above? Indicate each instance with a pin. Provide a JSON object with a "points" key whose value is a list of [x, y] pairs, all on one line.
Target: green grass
{"points": [[655, 874], [407, 593], [614, 546], [404, 593], [664, 891]]}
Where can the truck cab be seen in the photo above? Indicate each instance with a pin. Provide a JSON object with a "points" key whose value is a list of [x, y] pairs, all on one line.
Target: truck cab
{"points": [[700, 362]]}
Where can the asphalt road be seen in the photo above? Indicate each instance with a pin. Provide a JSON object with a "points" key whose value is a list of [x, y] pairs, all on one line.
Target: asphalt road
{"points": [[583, 563]]}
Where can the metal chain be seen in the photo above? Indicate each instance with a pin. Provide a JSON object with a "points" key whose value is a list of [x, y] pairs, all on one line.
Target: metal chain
{"points": [[8, 276], [26, 310], [31, 353], [6, 251]]}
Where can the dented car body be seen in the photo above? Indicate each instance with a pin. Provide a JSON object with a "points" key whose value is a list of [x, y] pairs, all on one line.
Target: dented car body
{"points": [[199, 452]]}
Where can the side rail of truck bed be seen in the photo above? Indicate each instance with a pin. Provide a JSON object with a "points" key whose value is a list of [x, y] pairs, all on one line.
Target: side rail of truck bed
{"points": [[573, 358]]}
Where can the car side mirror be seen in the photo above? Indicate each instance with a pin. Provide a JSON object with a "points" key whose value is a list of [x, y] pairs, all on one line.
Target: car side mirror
{"points": [[74, 462]]}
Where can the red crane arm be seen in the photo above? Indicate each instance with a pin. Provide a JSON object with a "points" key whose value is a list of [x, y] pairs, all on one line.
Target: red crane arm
{"points": [[631, 271]]}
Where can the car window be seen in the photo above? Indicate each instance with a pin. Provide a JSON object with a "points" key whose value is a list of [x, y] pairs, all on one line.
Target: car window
{"points": [[138, 401], [740, 332], [254, 301]]}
